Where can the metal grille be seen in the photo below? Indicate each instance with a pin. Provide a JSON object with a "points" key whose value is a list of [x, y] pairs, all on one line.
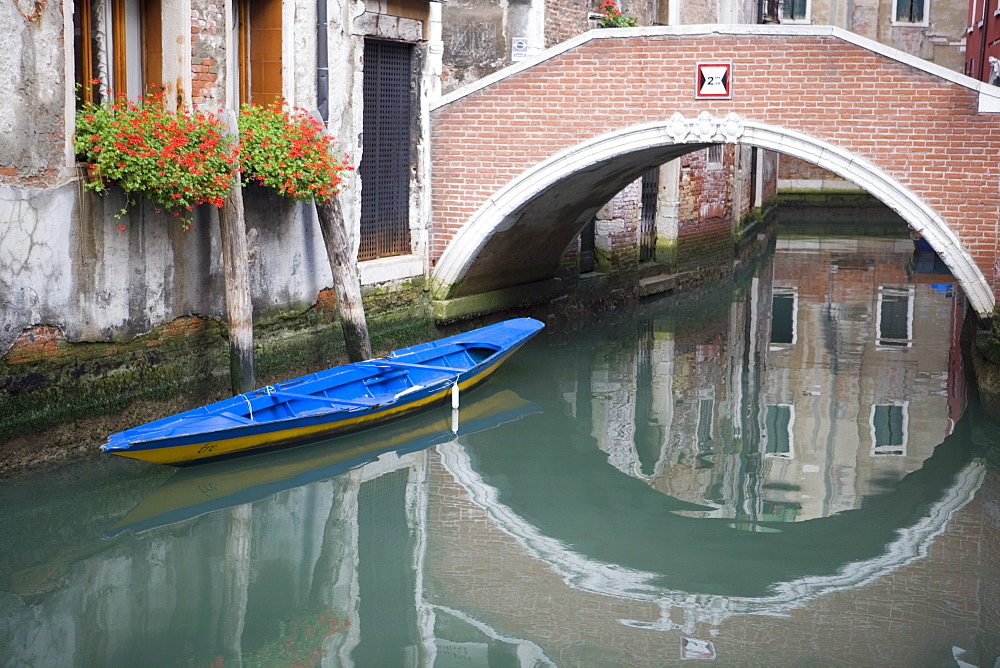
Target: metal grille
{"points": [[385, 162], [587, 246], [647, 225]]}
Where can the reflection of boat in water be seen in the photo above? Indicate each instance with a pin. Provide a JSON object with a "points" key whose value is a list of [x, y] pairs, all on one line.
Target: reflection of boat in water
{"points": [[204, 489], [337, 401]]}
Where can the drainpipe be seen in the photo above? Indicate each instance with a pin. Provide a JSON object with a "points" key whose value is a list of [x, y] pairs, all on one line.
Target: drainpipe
{"points": [[322, 63]]}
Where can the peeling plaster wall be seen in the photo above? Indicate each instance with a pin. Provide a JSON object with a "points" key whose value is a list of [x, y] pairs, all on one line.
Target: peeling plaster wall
{"points": [[64, 263], [31, 39], [67, 265]]}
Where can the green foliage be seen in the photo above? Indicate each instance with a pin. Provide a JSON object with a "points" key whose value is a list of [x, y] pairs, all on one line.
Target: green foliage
{"points": [[175, 159], [288, 150], [181, 159], [613, 18], [989, 342], [299, 640]]}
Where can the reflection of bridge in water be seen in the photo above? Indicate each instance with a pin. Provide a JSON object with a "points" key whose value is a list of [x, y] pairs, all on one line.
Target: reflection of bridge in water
{"points": [[797, 442]]}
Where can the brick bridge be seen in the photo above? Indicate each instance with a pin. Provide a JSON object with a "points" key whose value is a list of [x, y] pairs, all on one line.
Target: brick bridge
{"points": [[522, 159]]}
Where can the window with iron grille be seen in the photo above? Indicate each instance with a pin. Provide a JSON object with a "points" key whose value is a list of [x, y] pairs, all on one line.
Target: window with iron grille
{"points": [[647, 224], [389, 107]]}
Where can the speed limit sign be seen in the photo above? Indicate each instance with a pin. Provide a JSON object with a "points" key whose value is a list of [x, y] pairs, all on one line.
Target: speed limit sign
{"points": [[714, 80]]}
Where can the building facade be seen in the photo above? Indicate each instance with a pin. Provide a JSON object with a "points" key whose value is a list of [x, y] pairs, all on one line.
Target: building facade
{"points": [[982, 51]]}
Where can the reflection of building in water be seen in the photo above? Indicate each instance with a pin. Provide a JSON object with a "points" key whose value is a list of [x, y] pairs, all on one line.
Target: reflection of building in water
{"points": [[857, 386], [326, 573], [329, 559], [828, 378], [483, 559]]}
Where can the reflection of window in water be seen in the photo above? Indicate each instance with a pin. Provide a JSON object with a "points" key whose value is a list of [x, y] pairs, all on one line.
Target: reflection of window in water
{"points": [[706, 409], [778, 431], [779, 511], [784, 307], [889, 426], [895, 317]]}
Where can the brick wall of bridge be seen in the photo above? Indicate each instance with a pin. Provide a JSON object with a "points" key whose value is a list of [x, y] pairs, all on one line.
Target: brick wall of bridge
{"points": [[921, 129]]}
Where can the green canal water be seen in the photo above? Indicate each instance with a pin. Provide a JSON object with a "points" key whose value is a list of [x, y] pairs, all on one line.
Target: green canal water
{"points": [[775, 470]]}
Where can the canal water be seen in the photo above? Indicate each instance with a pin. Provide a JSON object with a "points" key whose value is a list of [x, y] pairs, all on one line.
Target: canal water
{"points": [[773, 470]]}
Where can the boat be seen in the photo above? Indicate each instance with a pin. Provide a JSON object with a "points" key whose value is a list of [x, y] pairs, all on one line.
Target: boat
{"points": [[333, 402], [194, 491]]}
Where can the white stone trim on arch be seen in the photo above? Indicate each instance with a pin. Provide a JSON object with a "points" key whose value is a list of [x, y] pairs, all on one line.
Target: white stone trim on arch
{"points": [[493, 216]]}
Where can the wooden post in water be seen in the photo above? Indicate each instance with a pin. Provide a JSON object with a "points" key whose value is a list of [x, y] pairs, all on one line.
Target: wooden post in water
{"points": [[236, 269], [346, 280]]}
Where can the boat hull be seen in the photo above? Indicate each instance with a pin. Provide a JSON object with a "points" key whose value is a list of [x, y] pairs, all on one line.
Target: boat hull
{"points": [[185, 449], [198, 490], [302, 430]]}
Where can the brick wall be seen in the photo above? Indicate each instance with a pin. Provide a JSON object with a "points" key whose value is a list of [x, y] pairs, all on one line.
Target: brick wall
{"points": [[565, 19], [568, 18], [918, 128], [208, 28], [799, 170], [615, 234], [704, 226]]}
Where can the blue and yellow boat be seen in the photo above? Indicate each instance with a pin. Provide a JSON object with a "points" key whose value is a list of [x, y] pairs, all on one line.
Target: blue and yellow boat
{"points": [[337, 401], [199, 490]]}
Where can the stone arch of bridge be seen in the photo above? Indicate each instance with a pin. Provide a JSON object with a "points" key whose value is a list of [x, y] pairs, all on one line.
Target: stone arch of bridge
{"points": [[519, 234]]}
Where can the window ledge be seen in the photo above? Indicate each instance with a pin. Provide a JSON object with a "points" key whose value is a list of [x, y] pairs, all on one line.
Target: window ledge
{"points": [[388, 269], [907, 24]]}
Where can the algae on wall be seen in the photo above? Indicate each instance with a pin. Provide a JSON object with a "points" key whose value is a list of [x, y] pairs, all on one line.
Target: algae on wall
{"points": [[78, 393]]}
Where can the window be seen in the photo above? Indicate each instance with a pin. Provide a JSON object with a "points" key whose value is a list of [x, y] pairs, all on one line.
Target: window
{"points": [[119, 43], [85, 47], [706, 412], [389, 109], [260, 51], [910, 11], [778, 431], [895, 318], [795, 10], [784, 309], [889, 424], [715, 156], [647, 221], [587, 246]]}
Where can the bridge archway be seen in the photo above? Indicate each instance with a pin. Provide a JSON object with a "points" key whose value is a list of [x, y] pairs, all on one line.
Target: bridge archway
{"points": [[520, 232], [523, 157]]}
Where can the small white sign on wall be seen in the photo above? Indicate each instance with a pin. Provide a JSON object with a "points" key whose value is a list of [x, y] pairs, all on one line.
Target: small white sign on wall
{"points": [[518, 48]]}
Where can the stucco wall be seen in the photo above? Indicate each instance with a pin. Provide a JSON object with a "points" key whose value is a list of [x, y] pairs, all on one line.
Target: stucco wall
{"points": [[64, 262], [32, 95]]}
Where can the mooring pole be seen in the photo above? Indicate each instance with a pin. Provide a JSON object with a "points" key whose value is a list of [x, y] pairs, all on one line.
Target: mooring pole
{"points": [[236, 271], [346, 280]]}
